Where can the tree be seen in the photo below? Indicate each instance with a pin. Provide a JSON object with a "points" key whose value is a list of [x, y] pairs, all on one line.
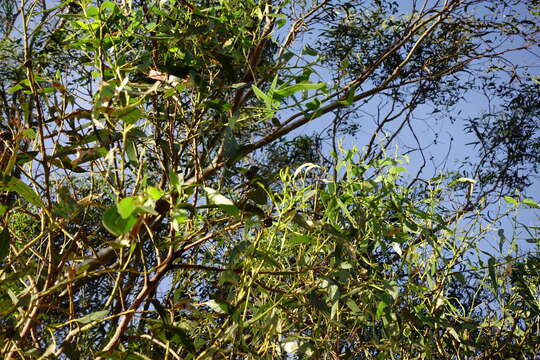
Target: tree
{"points": [[157, 202]]}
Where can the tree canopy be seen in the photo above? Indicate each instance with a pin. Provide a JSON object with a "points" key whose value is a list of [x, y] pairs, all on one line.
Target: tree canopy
{"points": [[223, 179]]}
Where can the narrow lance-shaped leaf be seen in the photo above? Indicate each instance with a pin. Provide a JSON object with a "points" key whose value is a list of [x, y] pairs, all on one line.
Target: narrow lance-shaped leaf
{"points": [[10, 183], [492, 275], [289, 90], [4, 243]]}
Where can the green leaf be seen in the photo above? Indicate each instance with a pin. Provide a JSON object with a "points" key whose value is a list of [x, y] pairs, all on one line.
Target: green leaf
{"points": [[29, 134], [261, 96], [353, 306], [108, 5], [502, 239], [314, 104], [231, 148], [4, 243], [380, 308], [397, 248], [302, 239], [392, 288], [219, 307], [219, 105], [221, 201], [493, 275], [127, 206], [161, 312], [131, 152], [511, 200], [154, 192], [93, 316], [308, 50], [350, 97], [10, 183], [181, 336], [129, 114], [531, 203], [23, 158], [289, 90], [258, 195], [229, 277], [116, 224], [316, 301]]}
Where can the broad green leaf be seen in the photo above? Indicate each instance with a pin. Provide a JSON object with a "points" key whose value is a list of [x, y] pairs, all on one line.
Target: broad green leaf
{"points": [[154, 192], [218, 105], [116, 224], [258, 195], [93, 316], [127, 206], [108, 5], [4, 243], [229, 277], [221, 201], [10, 183], [392, 288]]}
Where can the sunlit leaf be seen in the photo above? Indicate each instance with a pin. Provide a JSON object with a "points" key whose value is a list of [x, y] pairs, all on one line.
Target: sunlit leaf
{"points": [[531, 203], [93, 316], [219, 307], [291, 89], [116, 224], [127, 206], [221, 201]]}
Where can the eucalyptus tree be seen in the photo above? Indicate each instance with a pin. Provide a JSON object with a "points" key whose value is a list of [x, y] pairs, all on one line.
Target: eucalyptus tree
{"points": [[159, 202]]}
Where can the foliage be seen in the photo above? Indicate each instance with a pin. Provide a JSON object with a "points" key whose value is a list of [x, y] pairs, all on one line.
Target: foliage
{"points": [[158, 199]]}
